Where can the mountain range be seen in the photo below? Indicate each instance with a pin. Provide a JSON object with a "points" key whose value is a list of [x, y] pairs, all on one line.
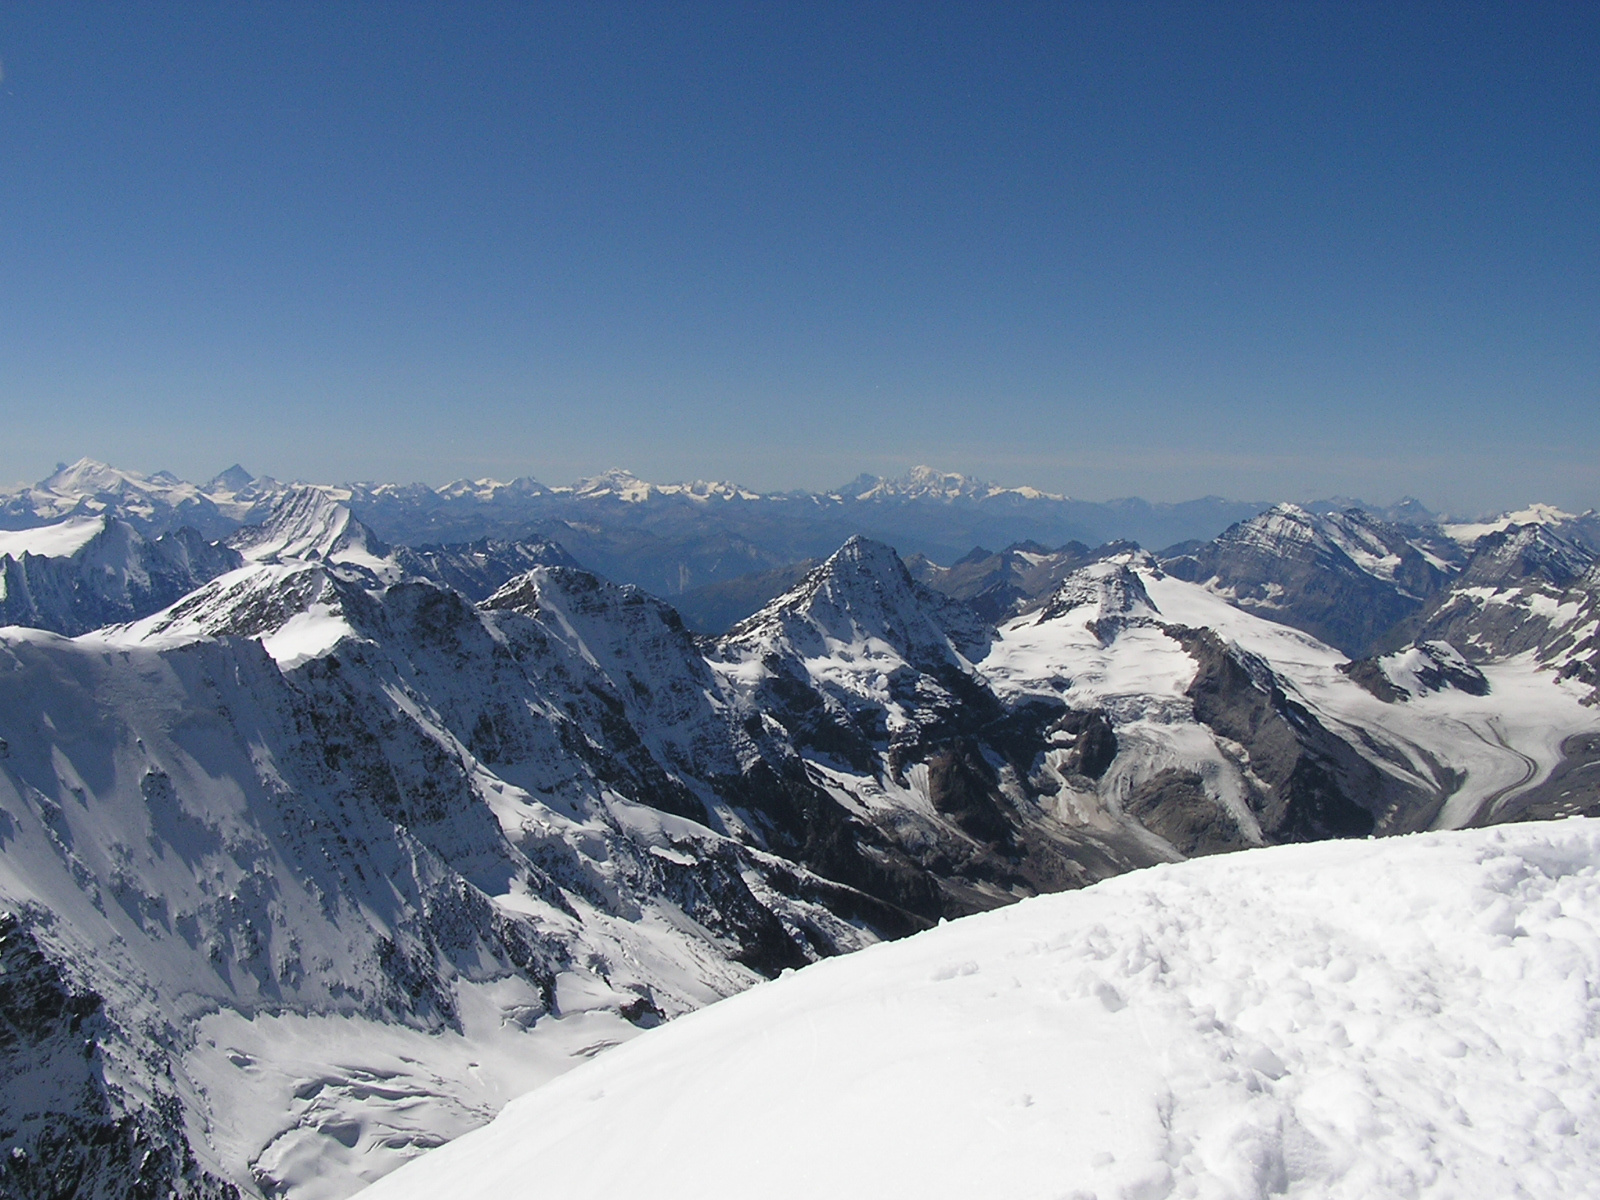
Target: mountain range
{"points": [[333, 817]]}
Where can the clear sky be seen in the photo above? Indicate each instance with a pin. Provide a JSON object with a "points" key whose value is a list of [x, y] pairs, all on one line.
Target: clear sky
{"points": [[1271, 250]]}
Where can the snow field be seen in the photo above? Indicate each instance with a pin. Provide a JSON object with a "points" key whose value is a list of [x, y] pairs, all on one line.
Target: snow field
{"points": [[1412, 1017], [61, 540]]}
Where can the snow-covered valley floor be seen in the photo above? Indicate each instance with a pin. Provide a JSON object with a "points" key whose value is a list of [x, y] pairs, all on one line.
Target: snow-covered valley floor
{"points": [[1413, 1016]]}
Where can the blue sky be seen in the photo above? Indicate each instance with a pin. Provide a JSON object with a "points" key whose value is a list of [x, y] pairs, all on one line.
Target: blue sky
{"points": [[1276, 250]]}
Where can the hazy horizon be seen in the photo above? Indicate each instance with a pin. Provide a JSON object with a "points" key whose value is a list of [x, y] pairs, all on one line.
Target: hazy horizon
{"points": [[568, 481], [1106, 250]]}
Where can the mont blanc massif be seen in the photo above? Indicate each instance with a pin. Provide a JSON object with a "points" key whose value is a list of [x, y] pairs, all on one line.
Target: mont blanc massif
{"points": [[335, 818]]}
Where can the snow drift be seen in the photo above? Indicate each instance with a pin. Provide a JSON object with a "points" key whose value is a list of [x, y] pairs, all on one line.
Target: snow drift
{"points": [[1408, 1017]]}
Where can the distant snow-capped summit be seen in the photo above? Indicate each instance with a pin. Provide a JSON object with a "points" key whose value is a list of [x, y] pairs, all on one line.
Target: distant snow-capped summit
{"points": [[927, 483]]}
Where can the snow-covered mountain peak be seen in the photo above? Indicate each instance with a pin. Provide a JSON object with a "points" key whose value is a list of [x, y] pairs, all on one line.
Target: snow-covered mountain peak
{"points": [[309, 523], [861, 582], [928, 483], [1101, 592], [861, 594], [89, 476], [94, 484], [862, 633], [67, 474], [1532, 552], [487, 491], [295, 609], [615, 483], [618, 484], [234, 479], [1468, 532]]}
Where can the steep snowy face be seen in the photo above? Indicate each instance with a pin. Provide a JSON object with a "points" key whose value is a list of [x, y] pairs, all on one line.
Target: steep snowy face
{"points": [[86, 572], [1016, 580], [888, 659], [296, 609], [426, 846], [651, 664], [479, 569], [1107, 596], [1207, 751], [60, 540], [1344, 577], [1405, 1018], [1526, 591], [308, 523], [864, 596]]}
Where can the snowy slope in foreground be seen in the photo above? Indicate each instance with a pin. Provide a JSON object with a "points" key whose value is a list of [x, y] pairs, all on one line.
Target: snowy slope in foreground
{"points": [[1407, 1017]]}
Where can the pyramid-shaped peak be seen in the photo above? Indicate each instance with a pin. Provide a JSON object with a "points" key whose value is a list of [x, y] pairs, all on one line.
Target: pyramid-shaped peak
{"points": [[1099, 591], [309, 522], [863, 593], [862, 575], [234, 479]]}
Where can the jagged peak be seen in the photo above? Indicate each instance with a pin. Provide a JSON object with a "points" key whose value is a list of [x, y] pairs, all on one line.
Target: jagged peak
{"points": [[1100, 591], [863, 592], [1530, 551], [630, 489], [310, 522]]}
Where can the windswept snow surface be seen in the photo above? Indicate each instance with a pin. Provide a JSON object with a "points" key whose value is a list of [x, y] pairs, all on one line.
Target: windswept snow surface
{"points": [[61, 540], [1410, 1017]]}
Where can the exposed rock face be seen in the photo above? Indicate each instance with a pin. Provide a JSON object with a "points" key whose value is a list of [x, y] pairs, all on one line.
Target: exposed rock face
{"points": [[1308, 784], [1173, 804], [446, 804], [1344, 578], [1526, 589], [869, 676], [68, 1125], [1019, 578], [479, 569]]}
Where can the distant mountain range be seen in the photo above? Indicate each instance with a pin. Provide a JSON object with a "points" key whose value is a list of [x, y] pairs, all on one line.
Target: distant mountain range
{"points": [[669, 538], [318, 843]]}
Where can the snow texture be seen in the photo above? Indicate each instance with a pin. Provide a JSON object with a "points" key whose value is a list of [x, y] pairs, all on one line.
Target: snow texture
{"points": [[61, 540], [1412, 1017]]}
